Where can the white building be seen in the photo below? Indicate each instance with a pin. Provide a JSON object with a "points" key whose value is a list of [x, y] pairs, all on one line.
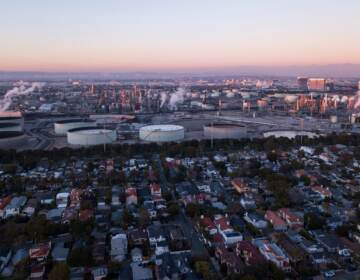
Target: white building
{"points": [[15, 206], [119, 246]]}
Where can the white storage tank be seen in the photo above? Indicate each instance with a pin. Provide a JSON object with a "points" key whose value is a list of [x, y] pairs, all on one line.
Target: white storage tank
{"points": [[90, 136], [12, 140], [12, 117], [161, 133], [333, 119], [10, 126], [225, 131], [63, 126]]}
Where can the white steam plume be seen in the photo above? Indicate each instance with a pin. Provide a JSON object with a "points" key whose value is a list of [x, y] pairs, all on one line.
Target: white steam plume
{"points": [[163, 98], [20, 89], [176, 98], [357, 102]]}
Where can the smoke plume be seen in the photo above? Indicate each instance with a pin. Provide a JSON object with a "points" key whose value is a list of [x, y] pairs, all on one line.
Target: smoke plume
{"points": [[21, 88], [176, 98], [163, 98]]}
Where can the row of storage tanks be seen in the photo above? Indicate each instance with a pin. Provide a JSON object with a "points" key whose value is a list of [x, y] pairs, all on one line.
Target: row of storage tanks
{"points": [[85, 132]]}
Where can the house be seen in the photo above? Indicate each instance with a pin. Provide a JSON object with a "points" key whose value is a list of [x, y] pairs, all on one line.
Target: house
{"points": [[240, 185], [161, 248], [230, 260], [155, 234], [115, 196], [30, 207], [62, 199], [247, 203], [141, 272], [229, 235], [277, 223], [3, 203], [46, 198], [273, 253], [119, 246], [99, 273], [137, 237], [5, 256], [98, 251], [69, 214], [315, 252], [208, 225], [75, 197], [329, 241], [15, 206], [293, 220], [323, 192], [155, 189], [86, 215], [255, 220], [293, 251], [55, 214], [37, 272], [131, 196], [40, 252], [249, 253], [136, 255], [60, 253]]}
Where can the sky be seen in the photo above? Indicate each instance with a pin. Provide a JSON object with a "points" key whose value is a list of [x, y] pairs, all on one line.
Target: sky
{"points": [[154, 35]]}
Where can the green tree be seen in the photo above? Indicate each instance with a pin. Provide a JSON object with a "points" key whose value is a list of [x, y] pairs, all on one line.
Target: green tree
{"points": [[173, 209], [192, 210], [144, 218], [60, 271], [80, 257], [203, 267]]}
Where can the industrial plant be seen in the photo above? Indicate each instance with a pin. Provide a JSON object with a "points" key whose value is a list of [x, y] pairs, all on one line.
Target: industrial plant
{"points": [[57, 114]]}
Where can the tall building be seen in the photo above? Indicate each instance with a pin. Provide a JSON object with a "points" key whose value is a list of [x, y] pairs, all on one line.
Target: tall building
{"points": [[316, 84], [302, 83]]}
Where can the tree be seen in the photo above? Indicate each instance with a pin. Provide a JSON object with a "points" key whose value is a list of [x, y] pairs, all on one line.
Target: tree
{"points": [[305, 179], [60, 271], [144, 218], [272, 156], [313, 221], [203, 267], [192, 210], [80, 257], [173, 209]]}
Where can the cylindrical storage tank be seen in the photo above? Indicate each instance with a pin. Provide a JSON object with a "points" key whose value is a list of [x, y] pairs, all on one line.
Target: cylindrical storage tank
{"points": [[291, 98], [333, 119], [161, 133], [12, 117], [10, 126], [63, 126], [12, 140], [225, 131], [90, 136]]}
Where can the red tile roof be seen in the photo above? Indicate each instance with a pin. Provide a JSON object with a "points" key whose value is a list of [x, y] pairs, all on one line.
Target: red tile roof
{"points": [[40, 250], [4, 201], [86, 214], [274, 219]]}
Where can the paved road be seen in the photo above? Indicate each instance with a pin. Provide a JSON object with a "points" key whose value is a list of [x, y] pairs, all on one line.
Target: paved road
{"points": [[344, 275], [187, 225]]}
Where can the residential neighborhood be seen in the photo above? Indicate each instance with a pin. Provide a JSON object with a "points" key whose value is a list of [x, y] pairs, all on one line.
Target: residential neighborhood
{"points": [[234, 212]]}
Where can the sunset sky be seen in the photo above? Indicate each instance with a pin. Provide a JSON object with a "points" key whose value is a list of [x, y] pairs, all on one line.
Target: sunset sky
{"points": [[127, 35]]}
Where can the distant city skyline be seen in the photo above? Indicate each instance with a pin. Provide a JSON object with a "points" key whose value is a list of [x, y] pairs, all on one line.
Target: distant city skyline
{"points": [[160, 35]]}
